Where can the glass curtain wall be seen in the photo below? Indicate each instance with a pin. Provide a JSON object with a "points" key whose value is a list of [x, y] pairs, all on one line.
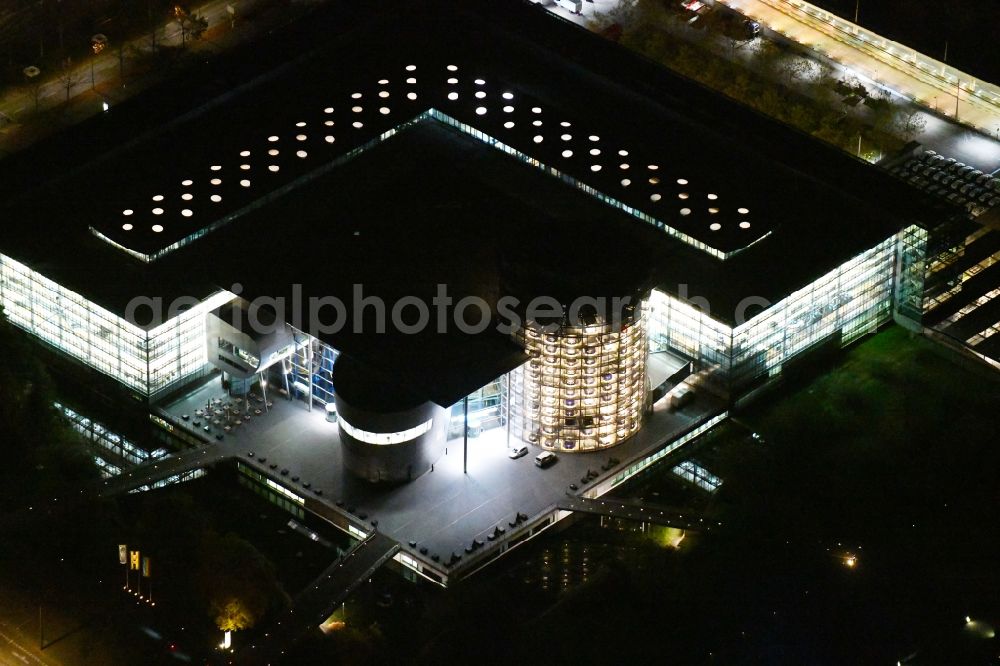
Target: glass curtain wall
{"points": [[584, 387], [681, 328], [850, 301], [74, 325], [144, 362]]}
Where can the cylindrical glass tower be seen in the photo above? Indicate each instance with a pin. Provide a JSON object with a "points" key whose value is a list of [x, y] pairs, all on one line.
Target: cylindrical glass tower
{"points": [[585, 385]]}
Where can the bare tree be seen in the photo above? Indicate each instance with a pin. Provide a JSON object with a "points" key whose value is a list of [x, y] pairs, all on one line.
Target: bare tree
{"points": [[68, 77]]}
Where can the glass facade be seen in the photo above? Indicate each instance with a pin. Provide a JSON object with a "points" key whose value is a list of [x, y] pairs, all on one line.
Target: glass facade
{"points": [[145, 361], [585, 386], [846, 303]]}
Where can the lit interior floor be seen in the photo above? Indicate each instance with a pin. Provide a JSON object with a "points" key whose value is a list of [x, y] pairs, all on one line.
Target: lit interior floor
{"points": [[443, 510]]}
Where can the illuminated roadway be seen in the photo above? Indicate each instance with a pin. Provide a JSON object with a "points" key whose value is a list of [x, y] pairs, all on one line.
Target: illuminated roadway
{"points": [[870, 59]]}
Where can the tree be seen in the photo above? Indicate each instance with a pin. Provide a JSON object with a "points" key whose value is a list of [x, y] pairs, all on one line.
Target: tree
{"points": [[239, 583], [68, 77], [908, 122]]}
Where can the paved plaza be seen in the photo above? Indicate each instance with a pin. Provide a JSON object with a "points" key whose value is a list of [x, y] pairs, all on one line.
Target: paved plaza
{"points": [[443, 510]]}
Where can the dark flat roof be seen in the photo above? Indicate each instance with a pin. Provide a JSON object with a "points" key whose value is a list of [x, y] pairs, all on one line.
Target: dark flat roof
{"points": [[809, 206]]}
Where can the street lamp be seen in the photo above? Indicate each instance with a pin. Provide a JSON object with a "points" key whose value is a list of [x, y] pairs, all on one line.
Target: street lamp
{"points": [[97, 44], [31, 74]]}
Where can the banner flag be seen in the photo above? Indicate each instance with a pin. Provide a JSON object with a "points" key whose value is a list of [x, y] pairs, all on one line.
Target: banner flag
{"points": [[122, 554], [145, 567], [135, 560]]}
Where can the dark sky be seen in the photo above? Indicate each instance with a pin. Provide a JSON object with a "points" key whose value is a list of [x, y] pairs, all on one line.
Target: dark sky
{"points": [[971, 27]]}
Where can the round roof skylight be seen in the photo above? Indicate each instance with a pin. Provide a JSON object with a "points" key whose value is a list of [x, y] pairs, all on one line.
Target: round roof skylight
{"points": [[215, 198], [383, 82], [216, 181], [273, 152], [411, 80], [742, 211], [744, 225], [300, 137], [384, 94], [453, 96], [187, 197], [480, 110], [626, 182], [301, 123], [713, 211], [303, 154], [623, 153], [594, 137], [652, 167], [216, 167], [536, 109], [567, 153], [509, 124], [273, 168], [127, 212], [536, 123], [245, 183], [538, 138], [410, 68], [157, 197], [566, 123], [384, 110], [682, 181], [713, 197], [329, 139], [654, 197], [356, 96], [715, 226], [595, 167], [357, 125], [479, 82], [272, 138], [411, 95], [328, 109], [508, 95], [685, 211], [508, 109], [157, 228], [328, 123], [595, 151], [187, 212], [480, 94], [683, 195], [452, 82], [356, 109], [654, 181], [566, 137], [186, 183], [452, 68], [245, 167], [127, 227], [244, 153]]}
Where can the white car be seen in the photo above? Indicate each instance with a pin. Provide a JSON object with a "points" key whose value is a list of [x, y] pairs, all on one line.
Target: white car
{"points": [[517, 451]]}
